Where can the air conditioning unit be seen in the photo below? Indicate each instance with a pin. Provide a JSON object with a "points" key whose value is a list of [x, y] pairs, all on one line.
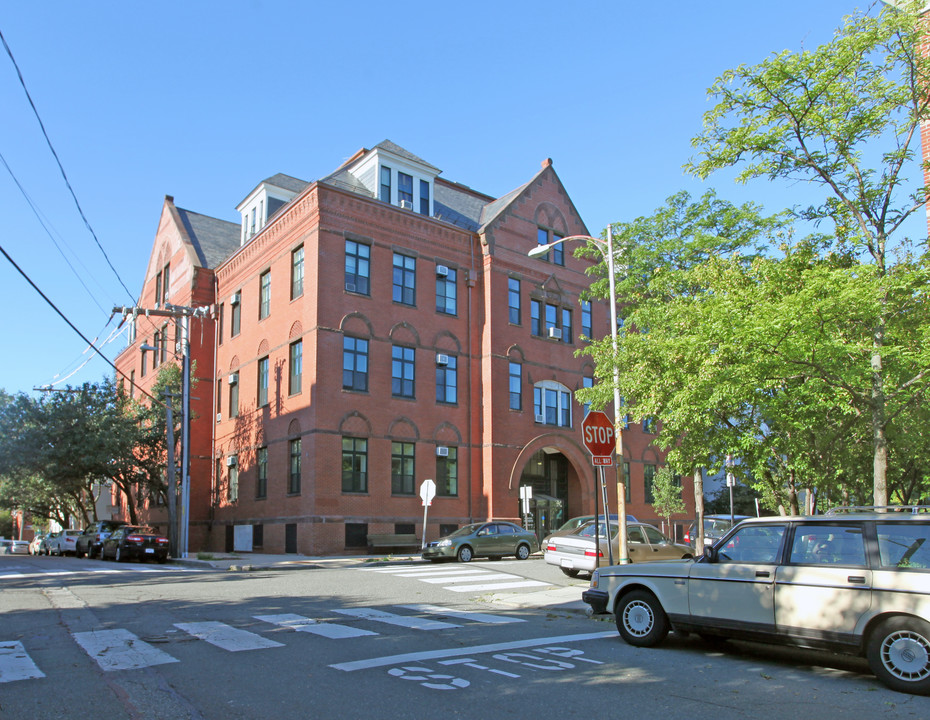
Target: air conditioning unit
{"points": [[231, 461], [350, 287], [219, 416], [405, 205], [442, 359], [233, 378], [555, 333], [236, 297], [442, 451], [442, 270], [541, 419]]}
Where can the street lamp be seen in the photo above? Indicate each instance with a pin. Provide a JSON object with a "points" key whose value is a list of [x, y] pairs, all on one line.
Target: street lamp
{"points": [[606, 248]]}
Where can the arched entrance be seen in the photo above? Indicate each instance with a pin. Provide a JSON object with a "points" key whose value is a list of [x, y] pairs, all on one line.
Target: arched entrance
{"points": [[547, 471]]}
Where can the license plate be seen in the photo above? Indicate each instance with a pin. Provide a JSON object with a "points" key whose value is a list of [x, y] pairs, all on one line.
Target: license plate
{"points": [[566, 563], [150, 550]]}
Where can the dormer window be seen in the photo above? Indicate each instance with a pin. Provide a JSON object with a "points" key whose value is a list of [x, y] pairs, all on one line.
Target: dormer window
{"points": [[385, 195], [405, 190]]}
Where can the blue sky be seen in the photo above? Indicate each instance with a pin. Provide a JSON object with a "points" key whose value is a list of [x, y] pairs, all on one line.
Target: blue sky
{"points": [[202, 100]]}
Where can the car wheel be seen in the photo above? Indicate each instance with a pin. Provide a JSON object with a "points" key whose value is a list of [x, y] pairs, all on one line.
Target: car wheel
{"points": [[119, 554], [641, 621], [898, 652], [90, 552], [523, 552], [78, 553], [465, 554], [571, 572]]}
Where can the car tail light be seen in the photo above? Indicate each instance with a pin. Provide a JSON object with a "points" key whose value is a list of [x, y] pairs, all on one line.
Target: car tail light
{"points": [[592, 553], [135, 538], [687, 536], [550, 548], [161, 541]]}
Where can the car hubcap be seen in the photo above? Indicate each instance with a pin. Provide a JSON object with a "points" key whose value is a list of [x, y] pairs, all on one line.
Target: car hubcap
{"points": [[638, 619], [906, 655]]}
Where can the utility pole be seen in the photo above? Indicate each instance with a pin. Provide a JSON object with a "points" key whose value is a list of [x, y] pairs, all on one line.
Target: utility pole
{"points": [[181, 315]]}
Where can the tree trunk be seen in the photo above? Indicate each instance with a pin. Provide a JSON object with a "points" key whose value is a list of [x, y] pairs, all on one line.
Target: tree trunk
{"points": [[699, 509]]}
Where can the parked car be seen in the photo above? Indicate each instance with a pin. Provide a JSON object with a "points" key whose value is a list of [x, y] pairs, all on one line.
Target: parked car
{"points": [[35, 545], [92, 538], [488, 539], [45, 546], [18, 547], [64, 543], [854, 583], [576, 522], [578, 552], [715, 527], [135, 542]]}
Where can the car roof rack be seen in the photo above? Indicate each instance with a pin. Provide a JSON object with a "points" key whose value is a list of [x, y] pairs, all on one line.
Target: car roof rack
{"points": [[913, 509]]}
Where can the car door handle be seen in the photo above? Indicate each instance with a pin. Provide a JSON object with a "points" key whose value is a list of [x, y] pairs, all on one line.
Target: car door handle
{"points": [[857, 579], [762, 573]]}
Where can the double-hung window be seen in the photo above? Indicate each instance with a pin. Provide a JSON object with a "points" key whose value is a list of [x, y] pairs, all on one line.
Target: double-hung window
{"points": [[354, 364], [263, 365], [402, 371], [447, 473], [405, 279], [358, 267], [447, 379], [297, 273], [264, 295], [405, 190], [513, 301], [516, 386], [354, 465], [446, 290], [586, 319], [402, 468], [296, 365], [261, 466], [293, 482], [385, 193], [552, 403]]}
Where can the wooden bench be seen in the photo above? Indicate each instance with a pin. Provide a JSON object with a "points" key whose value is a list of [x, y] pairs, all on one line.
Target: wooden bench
{"points": [[385, 541]]}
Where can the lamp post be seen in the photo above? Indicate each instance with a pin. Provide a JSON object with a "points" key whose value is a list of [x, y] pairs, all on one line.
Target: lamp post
{"points": [[606, 248]]}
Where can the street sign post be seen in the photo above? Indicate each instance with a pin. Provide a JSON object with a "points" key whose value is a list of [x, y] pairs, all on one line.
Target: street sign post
{"points": [[427, 493]]}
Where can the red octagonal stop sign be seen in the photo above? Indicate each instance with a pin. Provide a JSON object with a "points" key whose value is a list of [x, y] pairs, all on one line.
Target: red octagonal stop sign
{"points": [[598, 435]]}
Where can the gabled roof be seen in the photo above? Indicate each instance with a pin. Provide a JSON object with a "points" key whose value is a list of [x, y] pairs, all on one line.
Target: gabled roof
{"points": [[213, 240], [390, 147]]}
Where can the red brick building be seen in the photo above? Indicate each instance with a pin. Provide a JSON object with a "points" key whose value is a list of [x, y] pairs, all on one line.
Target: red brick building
{"points": [[370, 330]]}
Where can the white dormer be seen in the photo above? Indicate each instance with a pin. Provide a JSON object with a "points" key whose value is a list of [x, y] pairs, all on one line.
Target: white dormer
{"points": [[264, 201], [398, 177]]}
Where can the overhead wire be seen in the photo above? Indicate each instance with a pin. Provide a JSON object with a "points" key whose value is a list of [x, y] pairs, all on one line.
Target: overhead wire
{"points": [[61, 168]]}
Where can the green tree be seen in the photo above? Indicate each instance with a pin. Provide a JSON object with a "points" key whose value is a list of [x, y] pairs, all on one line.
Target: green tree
{"points": [[666, 495], [844, 117]]}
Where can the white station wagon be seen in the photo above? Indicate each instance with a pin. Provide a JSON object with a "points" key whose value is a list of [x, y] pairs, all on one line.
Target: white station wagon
{"points": [[856, 583]]}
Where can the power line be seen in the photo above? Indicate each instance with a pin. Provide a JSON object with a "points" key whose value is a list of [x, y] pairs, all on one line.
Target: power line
{"points": [[35, 211], [71, 325], [60, 166]]}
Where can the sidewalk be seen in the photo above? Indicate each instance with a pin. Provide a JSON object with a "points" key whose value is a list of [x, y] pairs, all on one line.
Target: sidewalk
{"points": [[561, 599]]}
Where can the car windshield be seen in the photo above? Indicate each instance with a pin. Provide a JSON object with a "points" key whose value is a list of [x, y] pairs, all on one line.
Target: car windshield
{"points": [[467, 530]]}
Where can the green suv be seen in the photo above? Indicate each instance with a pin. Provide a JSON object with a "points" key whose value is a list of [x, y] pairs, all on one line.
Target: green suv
{"points": [[852, 582]]}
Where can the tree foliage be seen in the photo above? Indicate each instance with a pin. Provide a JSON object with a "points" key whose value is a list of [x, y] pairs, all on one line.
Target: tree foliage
{"points": [[58, 450], [845, 119]]}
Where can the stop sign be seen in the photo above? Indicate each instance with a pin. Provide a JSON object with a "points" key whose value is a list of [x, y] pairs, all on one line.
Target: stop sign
{"points": [[599, 436]]}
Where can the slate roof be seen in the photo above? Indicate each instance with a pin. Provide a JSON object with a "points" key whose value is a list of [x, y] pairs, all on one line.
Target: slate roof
{"points": [[213, 240]]}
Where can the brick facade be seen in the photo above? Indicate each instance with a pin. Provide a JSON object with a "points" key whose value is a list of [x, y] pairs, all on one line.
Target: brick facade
{"points": [[496, 446]]}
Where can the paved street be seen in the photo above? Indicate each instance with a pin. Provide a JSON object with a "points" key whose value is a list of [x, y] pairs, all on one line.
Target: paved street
{"points": [[87, 639]]}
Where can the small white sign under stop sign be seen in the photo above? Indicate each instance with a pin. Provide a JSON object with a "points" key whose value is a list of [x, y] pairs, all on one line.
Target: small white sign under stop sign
{"points": [[428, 491], [526, 494]]}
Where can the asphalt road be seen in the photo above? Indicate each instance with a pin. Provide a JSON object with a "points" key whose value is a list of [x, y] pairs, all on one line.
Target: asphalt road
{"points": [[82, 639]]}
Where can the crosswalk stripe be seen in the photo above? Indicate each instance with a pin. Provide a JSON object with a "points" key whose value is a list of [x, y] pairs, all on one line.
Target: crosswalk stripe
{"points": [[496, 586], [480, 617], [469, 578], [120, 650], [305, 624], [227, 637], [430, 572], [414, 623], [15, 664]]}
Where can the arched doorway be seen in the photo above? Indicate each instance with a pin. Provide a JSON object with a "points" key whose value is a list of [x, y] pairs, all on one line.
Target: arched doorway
{"points": [[547, 472]]}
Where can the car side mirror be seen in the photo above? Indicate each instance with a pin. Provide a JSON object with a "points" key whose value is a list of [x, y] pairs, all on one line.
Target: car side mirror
{"points": [[710, 554]]}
